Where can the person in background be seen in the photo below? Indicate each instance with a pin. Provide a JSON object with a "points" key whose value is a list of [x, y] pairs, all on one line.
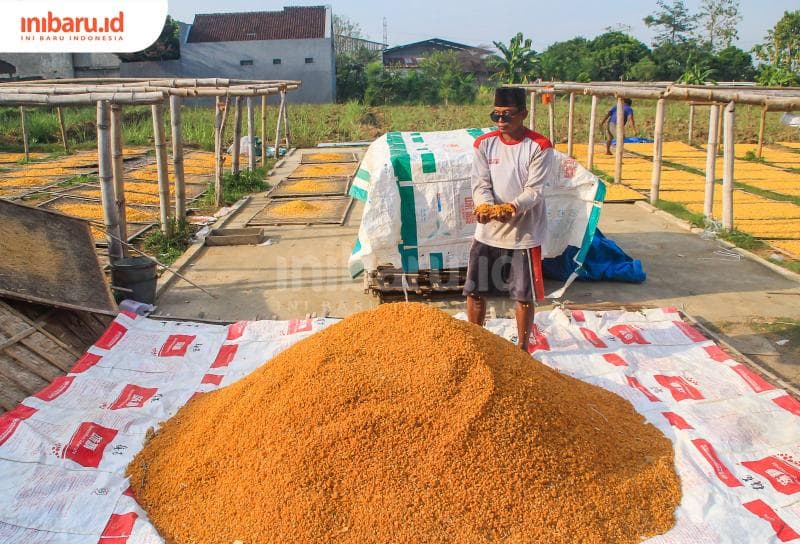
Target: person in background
{"points": [[610, 120], [509, 171]]}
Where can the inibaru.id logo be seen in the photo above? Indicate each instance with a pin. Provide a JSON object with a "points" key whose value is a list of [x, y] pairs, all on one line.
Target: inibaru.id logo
{"points": [[54, 24]]}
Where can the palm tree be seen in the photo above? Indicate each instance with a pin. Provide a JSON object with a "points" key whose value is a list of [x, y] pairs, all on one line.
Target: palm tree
{"points": [[518, 63]]}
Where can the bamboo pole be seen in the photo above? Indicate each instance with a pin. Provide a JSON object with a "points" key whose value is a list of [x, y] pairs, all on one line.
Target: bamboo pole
{"points": [[658, 146], [720, 117], [63, 126], [711, 161], [287, 126], [105, 174], [729, 153], [117, 172], [691, 124], [532, 119], [25, 143], [251, 135], [251, 90], [218, 152], [166, 82], [761, 131], [278, 127], [79, 99], [571, 124], [263, 131], [592, 123], [551, 114], [163, 167], [177, 157], [744, 96], [619, 148], [237, 135]]}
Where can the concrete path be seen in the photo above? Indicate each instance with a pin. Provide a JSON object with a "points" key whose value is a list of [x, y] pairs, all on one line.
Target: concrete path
{"points": [[305, 271]]}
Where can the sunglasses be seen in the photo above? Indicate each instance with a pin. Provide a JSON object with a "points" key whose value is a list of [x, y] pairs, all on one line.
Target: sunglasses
{"points": [[506, 116]]}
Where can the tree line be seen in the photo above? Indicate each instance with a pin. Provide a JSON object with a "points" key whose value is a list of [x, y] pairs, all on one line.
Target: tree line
{"points": [[694, 48]]}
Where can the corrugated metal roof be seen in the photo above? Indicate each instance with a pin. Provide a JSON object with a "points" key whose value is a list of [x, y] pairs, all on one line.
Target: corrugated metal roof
{"points": [[292, 23]]}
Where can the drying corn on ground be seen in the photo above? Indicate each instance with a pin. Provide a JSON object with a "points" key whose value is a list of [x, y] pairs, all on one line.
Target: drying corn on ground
{"points": [[330, 170], [776, 222], [18, 179], [362, 435], [310, 186], [403, 425], [328, 157], [94, 211], [302, 209]]}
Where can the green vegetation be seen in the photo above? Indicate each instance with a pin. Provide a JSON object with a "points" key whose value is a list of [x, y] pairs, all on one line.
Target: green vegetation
{"points": [[353, 121], [682, 212], [785, 328], [741, 239], [168, 247], [517, 62], [235, 187], [693, 48], [77, 180], [752, 157], [166, 47], [780, 52]]}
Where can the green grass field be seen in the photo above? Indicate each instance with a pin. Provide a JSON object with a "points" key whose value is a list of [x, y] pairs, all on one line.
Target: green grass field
{"points": [[315, 123]]}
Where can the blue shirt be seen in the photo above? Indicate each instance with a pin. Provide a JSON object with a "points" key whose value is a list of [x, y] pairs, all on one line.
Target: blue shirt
{"points": [[627, 111]]}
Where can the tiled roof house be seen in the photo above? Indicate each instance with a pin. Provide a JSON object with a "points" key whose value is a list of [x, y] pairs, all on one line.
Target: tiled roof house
{"points": [[294, 43]]}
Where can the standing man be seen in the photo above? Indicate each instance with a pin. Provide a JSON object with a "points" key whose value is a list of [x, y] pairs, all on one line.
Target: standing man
{"points": [[510, 166], [611, 118]]}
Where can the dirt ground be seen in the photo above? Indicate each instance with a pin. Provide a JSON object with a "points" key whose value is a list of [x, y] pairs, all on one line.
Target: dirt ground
{"points": [[304, 271]]}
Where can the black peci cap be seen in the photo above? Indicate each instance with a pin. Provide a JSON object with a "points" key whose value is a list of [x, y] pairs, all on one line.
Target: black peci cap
{"points": [[509, 97]]}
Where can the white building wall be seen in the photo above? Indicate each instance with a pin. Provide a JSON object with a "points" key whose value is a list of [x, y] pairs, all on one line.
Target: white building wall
{"points": [[224, 60], [39, 65]]}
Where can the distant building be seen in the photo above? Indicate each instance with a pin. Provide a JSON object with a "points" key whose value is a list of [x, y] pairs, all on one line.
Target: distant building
{"points": [[348, 44], [27, 66], [473, 59], [295, 43]]}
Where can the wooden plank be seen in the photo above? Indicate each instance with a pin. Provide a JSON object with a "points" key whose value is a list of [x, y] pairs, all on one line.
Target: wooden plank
{"points": [[24, 381], [42, 347], [14, 324], [32, 363], [45, 317], [10, 393], [16, 338], [27, 332]]}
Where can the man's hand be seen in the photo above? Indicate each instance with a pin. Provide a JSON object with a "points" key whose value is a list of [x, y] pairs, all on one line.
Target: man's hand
{"points": [[505, 212], [483, 213]]}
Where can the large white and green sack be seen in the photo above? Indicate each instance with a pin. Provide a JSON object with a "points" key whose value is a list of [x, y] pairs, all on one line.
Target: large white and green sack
{"points": [[418, 203]]}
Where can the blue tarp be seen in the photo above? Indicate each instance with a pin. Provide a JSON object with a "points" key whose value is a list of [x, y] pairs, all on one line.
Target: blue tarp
{"points": [[633, 140], [604, 261]]}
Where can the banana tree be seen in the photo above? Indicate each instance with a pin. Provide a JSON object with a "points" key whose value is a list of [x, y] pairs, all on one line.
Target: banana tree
{"points": [[518, 63]]}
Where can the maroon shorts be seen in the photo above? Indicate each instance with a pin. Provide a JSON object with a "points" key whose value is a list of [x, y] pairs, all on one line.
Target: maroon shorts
{"points": [[492, 269]]}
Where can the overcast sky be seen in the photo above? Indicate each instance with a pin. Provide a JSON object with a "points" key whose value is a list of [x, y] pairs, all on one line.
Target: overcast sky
{"points": [[476, 22]]}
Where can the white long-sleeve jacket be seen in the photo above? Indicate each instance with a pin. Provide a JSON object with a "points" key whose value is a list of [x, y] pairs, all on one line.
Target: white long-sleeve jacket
{"points": [[512, 173]]}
